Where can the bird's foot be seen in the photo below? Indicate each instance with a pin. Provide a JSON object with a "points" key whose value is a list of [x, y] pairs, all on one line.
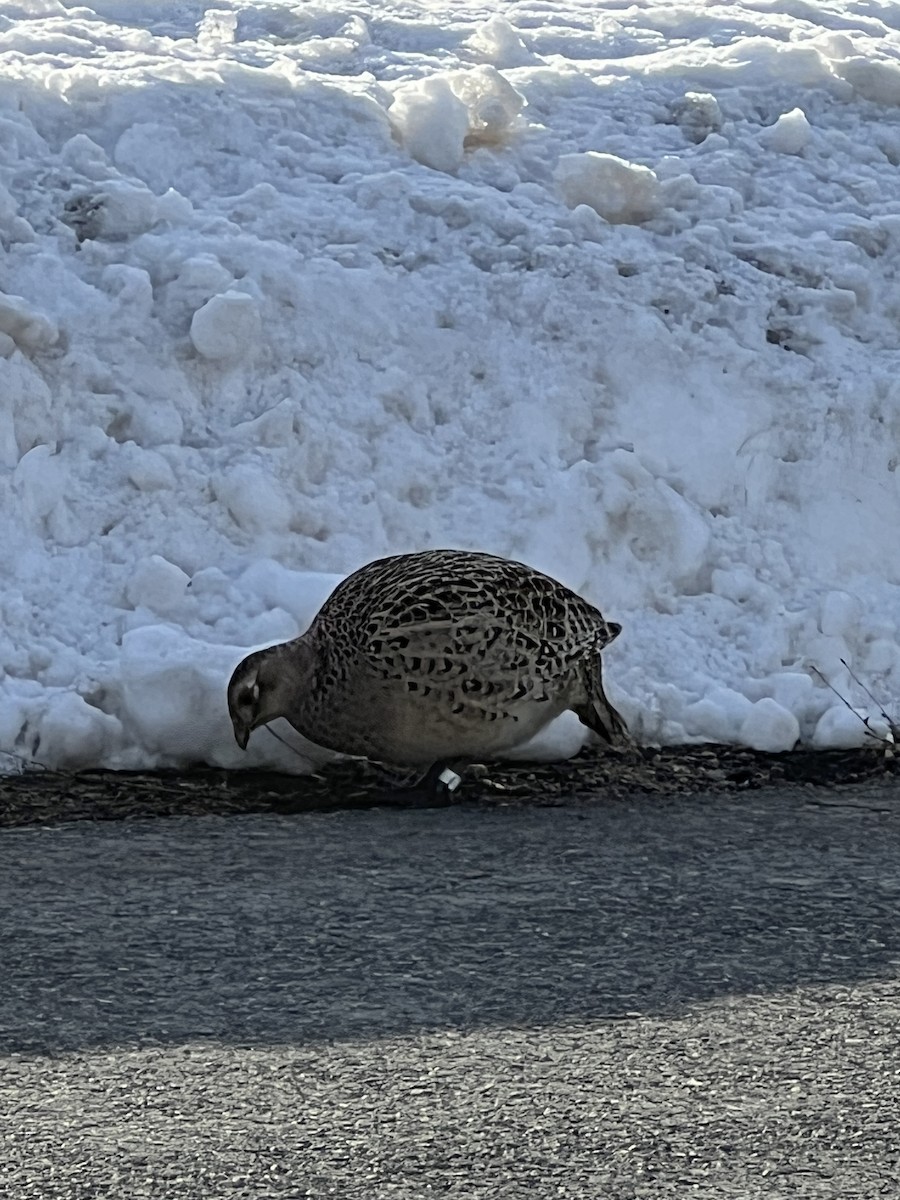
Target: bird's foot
{"points": [[412, 789]]}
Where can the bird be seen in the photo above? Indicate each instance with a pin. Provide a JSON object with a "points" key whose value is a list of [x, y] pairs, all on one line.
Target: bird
{"points": [[432, 660]]}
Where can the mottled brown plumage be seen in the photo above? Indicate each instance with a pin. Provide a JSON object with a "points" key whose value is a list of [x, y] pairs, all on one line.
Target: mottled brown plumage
{"points": [[435, 656]]}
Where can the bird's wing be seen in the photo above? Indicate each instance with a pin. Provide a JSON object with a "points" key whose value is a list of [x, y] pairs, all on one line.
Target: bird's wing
{"points": [[479, 655]]}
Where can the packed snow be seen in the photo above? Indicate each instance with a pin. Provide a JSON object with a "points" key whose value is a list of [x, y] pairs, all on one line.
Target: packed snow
{"points": [[611, 289]]}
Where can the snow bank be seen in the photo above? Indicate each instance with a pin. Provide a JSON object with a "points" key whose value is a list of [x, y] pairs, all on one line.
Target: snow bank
{"points": [[284, 291]]}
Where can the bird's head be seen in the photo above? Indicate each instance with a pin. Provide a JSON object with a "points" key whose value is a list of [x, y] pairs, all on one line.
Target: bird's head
{"points": [[254, 694], [268, 684]]}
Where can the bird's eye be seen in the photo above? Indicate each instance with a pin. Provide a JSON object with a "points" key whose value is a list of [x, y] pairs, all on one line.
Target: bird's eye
{"points": [[248, 696]]}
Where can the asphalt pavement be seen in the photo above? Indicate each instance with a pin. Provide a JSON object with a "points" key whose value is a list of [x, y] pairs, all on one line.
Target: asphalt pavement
{"points": [[604, 1001]]}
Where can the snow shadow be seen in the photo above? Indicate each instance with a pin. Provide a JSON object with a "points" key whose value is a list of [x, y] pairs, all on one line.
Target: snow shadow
{"points": [[295, 930]]}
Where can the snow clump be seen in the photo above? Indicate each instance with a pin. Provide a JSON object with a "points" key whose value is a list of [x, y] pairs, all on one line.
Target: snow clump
{"points": [[770, 728], [500, 44], [436, 118], [227, 326], [790, 134], [622, 192], [697, 114]]}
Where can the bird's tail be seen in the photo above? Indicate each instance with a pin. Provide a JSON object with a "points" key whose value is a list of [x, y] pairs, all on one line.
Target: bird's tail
{"points": [[597, 712]]}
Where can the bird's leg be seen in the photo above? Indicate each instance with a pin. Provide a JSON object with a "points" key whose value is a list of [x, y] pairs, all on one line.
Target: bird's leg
{"points": [[393, 777]]}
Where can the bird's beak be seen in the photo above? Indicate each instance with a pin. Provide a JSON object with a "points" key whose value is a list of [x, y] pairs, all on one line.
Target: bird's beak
{"points": [[241, 733]]}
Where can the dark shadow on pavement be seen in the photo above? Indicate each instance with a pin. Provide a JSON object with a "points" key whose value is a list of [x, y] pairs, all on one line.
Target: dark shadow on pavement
{"points": [[276, 929]]}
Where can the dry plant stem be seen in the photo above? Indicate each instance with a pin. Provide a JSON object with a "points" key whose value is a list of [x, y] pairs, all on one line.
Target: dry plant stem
{"points": [[892, 725], [870, 732]]}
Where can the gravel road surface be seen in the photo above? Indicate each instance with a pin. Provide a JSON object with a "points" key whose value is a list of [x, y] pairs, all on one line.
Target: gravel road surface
{"points": [[648, 998]]}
